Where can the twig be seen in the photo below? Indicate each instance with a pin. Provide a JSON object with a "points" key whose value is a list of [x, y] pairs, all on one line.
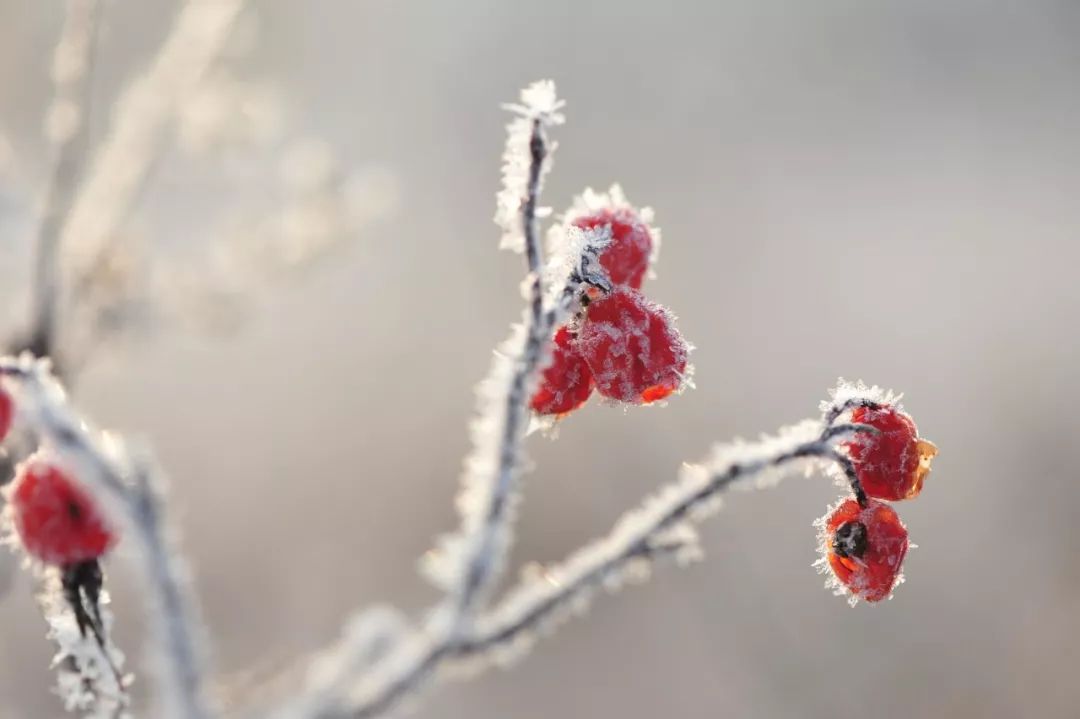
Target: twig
{"points": [[645, 532]]}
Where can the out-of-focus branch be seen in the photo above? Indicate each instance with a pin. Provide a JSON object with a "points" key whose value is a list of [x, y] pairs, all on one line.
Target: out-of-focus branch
{"points": [[130, 488], [138, 133], [68, 130]]}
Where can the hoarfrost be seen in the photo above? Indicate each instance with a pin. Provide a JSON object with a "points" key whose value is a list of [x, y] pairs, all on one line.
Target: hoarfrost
{"points": [[89, 678], [590, 201], [539, 107]]}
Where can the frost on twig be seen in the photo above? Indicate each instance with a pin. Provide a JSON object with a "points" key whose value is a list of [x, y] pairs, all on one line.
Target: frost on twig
{"points": [[591, 201], [467, 562], [89, 675], [128, 485], [523, 172]]}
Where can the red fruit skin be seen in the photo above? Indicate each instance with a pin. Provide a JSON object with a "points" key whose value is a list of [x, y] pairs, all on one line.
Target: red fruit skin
{"points": [[567, 382], [873, 575], [626, 259], [7, 413], [893, 464], [55, 518], [633, 349]]}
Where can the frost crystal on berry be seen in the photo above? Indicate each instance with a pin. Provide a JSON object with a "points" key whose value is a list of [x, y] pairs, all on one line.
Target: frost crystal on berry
{"points": [[863, 548], [567, 382], [633, 348], [635, 241], [626, 259], [56, 520], [892, 463]]}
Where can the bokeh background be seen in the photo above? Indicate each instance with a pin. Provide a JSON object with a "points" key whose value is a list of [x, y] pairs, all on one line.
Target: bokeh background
{"points": [[875, 190]]}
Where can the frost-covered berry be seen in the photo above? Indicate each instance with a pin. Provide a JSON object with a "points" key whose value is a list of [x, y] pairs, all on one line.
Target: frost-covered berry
{"points": [[567, 382], [57, 520], [626, 259], [864, 547], [892, 463], [7, 413], [633, 349]]}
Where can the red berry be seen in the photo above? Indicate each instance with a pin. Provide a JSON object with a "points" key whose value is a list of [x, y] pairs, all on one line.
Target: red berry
{"points": [[55, 518], [864, 547], [632, 347], [7, 413], [626, 259], [567, 382], [892, 464]]}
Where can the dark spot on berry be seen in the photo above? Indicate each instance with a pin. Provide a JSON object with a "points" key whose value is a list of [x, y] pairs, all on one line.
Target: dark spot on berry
{"points": [[850, 539], [74, 511]]}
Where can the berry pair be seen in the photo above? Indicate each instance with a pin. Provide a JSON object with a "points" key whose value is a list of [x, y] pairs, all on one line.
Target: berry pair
{"points": [[864, 543], [622, 345]]}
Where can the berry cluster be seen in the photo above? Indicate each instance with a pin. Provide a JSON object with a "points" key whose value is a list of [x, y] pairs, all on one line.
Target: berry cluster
{"points": [[58, 523], [863, 541], [620, 344]]}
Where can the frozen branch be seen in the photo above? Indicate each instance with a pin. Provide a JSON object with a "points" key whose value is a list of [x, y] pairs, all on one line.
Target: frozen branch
{"points": [[491, 471], [130, 488], [467, 563]]}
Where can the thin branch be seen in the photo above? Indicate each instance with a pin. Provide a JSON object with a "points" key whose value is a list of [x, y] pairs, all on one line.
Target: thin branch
{"points": [[481, 570], [637, 537], [130, 488]]}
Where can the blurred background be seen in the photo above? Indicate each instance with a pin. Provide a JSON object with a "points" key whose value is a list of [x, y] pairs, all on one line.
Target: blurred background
{"points": [[875, 190]]}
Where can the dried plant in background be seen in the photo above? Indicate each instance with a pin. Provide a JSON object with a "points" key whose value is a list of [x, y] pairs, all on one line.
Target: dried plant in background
{"points": [[629, 348]]}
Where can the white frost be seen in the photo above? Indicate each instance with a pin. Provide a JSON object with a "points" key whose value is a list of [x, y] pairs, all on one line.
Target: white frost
{"points": [[539, 104]]}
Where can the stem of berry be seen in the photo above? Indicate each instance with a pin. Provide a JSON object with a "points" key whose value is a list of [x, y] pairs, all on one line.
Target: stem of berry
{"points": [[833, 413], [81, 584]]}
